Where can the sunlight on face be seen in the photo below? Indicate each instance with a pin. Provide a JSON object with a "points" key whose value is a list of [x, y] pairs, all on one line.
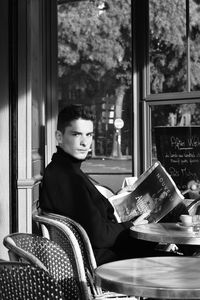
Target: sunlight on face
{"points": [[77, 138]]}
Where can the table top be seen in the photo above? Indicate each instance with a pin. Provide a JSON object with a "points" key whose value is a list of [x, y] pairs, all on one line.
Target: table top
{"points": [[172, 233], [155, 277]]}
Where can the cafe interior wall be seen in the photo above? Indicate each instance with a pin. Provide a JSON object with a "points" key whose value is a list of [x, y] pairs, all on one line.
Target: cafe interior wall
{"points": [[4, 128], [22, 114]]}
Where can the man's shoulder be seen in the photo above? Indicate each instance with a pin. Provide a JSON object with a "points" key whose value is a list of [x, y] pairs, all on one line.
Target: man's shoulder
{"points": [[59, 171]]}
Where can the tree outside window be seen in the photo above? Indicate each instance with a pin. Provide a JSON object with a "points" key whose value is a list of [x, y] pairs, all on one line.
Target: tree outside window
{"points": [[95, 68]]}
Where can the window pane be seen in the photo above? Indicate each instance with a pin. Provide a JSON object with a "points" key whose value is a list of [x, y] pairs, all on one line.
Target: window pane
{"points": [[167, 46], [94, 68], [176, 140], [195, 45]]}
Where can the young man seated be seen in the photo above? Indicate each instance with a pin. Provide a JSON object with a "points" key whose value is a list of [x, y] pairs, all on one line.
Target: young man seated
{"points": [[67, 190]]}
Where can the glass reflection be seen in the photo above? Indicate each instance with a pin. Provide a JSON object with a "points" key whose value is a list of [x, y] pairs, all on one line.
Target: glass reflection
{"points": [[176, 141]]}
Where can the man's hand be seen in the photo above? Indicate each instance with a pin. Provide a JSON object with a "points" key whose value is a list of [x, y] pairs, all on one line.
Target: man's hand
{"points": [[141, 219]]}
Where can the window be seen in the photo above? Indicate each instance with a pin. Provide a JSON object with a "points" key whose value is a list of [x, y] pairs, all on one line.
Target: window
{"points": [[172, 98], [174, 39], [95, 69]]}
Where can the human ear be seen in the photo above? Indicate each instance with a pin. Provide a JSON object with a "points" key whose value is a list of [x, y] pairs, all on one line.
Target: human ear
{"points": [[59, 136]]}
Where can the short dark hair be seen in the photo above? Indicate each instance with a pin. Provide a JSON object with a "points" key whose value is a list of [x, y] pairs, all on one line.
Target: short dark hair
{"points": [[73, 112]]}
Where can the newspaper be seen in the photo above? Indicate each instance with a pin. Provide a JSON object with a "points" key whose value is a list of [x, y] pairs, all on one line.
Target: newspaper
{"points": [[153, 191]]}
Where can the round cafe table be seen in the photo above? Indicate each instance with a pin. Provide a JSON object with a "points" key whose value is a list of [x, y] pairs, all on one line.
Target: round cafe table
{"points": [[172, 233], [153, 277]]}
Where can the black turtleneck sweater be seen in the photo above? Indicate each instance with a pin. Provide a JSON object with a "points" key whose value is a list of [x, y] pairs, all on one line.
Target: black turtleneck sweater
{"points": [[66, 190]]}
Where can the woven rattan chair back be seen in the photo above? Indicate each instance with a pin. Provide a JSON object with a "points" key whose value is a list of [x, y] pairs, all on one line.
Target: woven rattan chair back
{"points": [[27, 282], [55, 226], [58, 235], [65, 266]]}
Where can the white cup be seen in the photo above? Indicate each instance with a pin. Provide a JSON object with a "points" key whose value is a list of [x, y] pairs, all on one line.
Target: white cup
{"points": [[186, 220]]}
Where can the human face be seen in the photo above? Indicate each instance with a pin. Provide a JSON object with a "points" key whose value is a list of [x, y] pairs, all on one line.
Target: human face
{"points": [[77, 138]]}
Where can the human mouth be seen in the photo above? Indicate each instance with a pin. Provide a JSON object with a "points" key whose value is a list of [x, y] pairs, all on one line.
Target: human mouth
{"points": [[82, 151]]}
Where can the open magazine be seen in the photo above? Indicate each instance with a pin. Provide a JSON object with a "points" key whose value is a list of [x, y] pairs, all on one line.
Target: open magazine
{"points": [[153, 191]]}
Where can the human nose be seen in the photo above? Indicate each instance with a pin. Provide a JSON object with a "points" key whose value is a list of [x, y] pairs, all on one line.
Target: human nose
{"points": [[84, 140]]}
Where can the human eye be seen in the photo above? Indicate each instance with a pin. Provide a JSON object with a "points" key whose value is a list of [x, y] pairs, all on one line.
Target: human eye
{"points": [[90, 134], [75, 134]]}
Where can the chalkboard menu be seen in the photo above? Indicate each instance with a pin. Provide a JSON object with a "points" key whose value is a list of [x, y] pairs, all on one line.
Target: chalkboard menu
{"points": [[178, 149]]}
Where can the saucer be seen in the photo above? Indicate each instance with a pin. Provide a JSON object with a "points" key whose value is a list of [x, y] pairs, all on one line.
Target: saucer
{"points": [[190, 227]]}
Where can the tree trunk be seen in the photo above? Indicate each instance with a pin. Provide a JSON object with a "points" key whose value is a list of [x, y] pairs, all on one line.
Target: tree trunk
{"points": [[116, 149]]}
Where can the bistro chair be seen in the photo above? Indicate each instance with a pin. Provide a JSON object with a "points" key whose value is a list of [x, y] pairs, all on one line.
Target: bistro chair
{"points": [[66, 267], [54, 226], [104, 190], [194, 207], [20, 281]]}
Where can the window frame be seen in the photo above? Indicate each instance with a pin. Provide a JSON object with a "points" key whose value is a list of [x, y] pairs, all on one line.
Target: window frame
{"points": [[146, 100]]}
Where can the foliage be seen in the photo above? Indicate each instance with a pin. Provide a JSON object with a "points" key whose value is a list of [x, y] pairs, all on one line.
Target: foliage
{"points": [[168, 45], [94, 37]]}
